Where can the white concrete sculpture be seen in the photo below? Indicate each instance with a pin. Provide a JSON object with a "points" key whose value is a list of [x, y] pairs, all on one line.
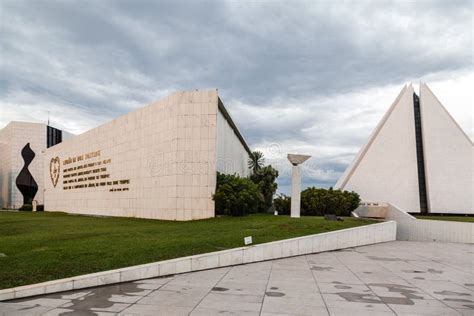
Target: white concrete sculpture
{"points": [[296, 161]]}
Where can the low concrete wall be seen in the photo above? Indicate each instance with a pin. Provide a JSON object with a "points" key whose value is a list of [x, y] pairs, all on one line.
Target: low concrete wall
{"points": [[413, 229], [372, 210], [352, 237], [394, 213], [434, 230]]}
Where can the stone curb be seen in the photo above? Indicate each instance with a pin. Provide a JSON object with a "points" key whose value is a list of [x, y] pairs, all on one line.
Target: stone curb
{"points": [[345, 238]]}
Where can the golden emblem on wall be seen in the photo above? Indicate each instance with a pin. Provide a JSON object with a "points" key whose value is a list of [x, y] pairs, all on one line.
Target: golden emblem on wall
{"points": [[54, 169]]}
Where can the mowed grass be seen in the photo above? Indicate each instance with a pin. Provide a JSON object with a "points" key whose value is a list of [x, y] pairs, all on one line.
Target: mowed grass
{"points": [[38, 247], [453, 218]]}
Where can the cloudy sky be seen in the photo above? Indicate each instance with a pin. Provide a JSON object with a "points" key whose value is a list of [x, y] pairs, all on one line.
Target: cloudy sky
{"points": [[307, 77]]}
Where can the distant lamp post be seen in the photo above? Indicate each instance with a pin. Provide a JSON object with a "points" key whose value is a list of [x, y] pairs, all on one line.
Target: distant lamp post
{"points": [[296, 161]]}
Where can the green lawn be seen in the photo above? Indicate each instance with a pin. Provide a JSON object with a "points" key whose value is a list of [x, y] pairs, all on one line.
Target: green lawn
{"points": [[37, 247], [453, 218]]}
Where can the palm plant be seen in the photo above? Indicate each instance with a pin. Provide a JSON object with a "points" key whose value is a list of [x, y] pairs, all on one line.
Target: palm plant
{"points": [[256, 161]]}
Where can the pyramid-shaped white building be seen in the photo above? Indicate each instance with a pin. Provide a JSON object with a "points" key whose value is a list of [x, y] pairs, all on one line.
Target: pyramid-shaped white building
{"points": [[417, 158]]}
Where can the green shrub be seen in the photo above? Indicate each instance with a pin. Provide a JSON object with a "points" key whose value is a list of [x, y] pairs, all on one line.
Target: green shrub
{"points": [[282, 204], [265, 178], [317, 202], [26, 207], [236, 196], [40, 208]]}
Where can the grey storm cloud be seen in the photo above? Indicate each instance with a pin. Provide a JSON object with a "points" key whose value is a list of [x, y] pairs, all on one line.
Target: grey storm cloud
{"points": [[286, 70]]}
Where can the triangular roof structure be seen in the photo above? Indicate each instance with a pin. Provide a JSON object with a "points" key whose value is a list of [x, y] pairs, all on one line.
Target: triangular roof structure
{"points": [[417, 158], [385, 169], [449, 158]]}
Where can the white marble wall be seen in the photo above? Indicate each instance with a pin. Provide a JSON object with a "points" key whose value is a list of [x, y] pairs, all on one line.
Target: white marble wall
{"points": [[232, 157], [13, 138], [5, 167], [167, 152]]}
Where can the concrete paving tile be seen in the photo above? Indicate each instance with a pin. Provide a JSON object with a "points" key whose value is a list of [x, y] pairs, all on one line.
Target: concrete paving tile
{"points": [[258, 266], [333, 268], [418, 305], [96, 305], [28, 312], [189, 283], [69, 295], [149, 286], [462, 278], [357, 306], [160, 280], [246, 279], [465, 312], [20, 309], [128, 299], [384, 278], [398, 290], [309, 283], [298, 311], [338, 287], [251, 276], [169, 298], [180, 288], [303, 279], [65, 311], [155, 310], [211, 312], [46, 302], [245, 303], [288, 262], [119, 291], [351, 298], [203, 278], [432, 307], [335, 311], [292, 305], [319, 311], [444, 289], [293, 288], [239, 288], [347, 278], [460, 303]]}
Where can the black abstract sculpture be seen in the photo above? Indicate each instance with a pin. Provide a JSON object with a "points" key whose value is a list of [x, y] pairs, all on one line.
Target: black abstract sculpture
{"points": [[25, 181]]}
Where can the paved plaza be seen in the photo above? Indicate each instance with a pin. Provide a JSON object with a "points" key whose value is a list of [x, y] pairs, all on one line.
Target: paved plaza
{"points": [[402, 278]]}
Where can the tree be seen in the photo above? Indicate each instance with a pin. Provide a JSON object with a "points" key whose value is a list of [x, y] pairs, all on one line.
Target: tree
{"points": [[265, 179], [256, 161], [236, 196], [282, 204]]}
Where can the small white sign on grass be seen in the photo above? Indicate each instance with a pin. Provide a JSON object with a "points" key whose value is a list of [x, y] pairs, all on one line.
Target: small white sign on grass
{"points": [[248, 240]]}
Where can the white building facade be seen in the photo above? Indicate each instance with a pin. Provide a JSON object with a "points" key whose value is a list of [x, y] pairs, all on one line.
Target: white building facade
{"points": [[32, 139], [417, 158], [157, 162]]}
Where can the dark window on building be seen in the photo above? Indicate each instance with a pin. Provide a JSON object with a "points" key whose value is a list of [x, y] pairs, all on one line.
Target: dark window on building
{"points": [[420, 157], [53, 136]]}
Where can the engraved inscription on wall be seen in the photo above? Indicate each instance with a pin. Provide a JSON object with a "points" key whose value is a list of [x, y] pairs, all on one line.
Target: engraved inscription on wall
{"points": [[91, 170]]}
